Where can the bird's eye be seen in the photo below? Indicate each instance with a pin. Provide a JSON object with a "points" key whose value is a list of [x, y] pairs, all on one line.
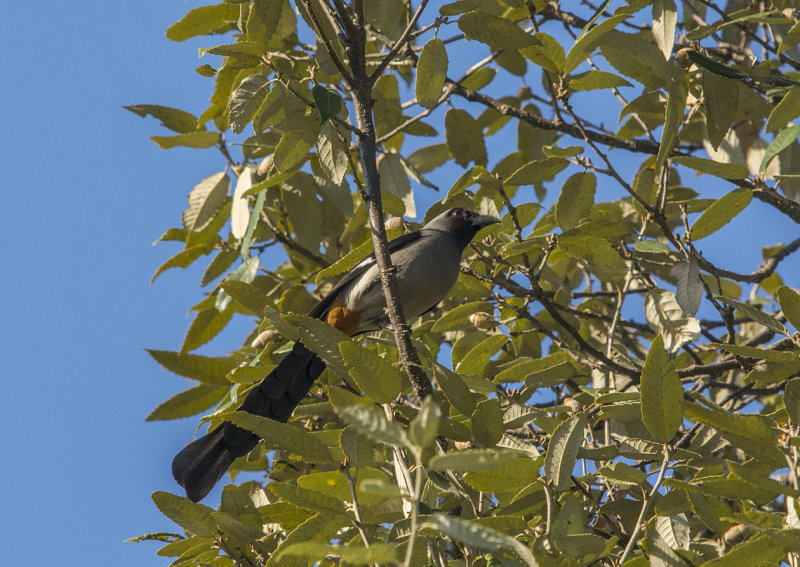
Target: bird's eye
{"points": [[458, 213]]}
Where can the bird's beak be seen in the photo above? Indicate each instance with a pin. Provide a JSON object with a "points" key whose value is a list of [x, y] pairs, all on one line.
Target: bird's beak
{"points": [[481, 221]]}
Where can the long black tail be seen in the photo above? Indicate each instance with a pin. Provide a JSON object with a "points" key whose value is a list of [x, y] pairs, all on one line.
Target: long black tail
{"points": [[203, 462]]}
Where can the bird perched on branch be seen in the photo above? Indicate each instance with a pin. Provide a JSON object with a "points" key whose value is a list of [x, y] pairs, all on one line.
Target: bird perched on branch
{"points": [[427, 263]]}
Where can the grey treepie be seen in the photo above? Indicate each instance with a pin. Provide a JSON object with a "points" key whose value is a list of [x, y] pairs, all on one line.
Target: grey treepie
{"points": [[427, 264]]}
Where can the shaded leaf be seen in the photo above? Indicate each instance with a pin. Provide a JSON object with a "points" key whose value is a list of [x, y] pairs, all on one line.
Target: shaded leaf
{"points": [[464, 138], [173, 118], [494, 31], [785, 111], [756, 315], [711, 167], [661, 393], [328, 102], [431, 73], [593, 80], [332, 154], [562, 452], [473, 460], [676, 102], [487, 422], [288, 437], [789, 300], [205, 199], [371, 423], [782, 141], [690, 290], [587, 42], [198, 139], [666, 317], [376, 553], [576, 200], [375, 376], [422, 430]]}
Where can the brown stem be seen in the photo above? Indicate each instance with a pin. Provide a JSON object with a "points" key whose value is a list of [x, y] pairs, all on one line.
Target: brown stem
{"points": [[367, 145]]}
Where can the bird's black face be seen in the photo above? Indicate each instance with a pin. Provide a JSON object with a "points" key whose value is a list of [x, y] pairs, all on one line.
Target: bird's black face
{"points": [[462, 223]]}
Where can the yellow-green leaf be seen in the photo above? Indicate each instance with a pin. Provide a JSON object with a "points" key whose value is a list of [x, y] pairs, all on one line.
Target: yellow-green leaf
{"points": [[375, 376], [562, 452], [576, 200], [716, 168]]}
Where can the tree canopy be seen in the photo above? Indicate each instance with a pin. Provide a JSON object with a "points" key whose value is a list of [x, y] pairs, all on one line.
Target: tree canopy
{"points": [[603, 385]]}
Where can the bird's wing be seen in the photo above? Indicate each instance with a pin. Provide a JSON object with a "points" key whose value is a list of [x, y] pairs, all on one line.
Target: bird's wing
{"points": [[357, 271]]}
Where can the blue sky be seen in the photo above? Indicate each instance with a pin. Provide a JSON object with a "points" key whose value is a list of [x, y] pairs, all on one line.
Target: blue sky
{"points": [[86, 193]]}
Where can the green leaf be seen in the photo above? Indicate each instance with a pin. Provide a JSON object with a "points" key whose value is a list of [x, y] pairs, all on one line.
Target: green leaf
{"points": [[621, 473], [321, 528], [487, 422], [785, 111], [431, 73], [721, 212], [246, 272], [376, 553], [651, 247], [375, 376], [756, 315], [271, 181], [311, 500], [676, 103], [637, 58], [246, 100], [540, 372], [494, 31], [753, 434], [189, 402], [546, 52], [457, 392], [195, 518], [173, 118], [204, 327], [689, 292], [247, 295], [789, 300], [757, 353], [661, 393], [596, 254], [477, 536], [248, 50], [537, 171], [182, 259], [202, 368], [332, 154], [478, 357], [268, 20], [791, 398], [562, 452], [293, 149], [458, 317], [721, 97], [782, 141], [718, 169], [198, 139], [205, 199], [328, 102], [464, 138], [290, 438], [587, 42], [371, 423], [594, 80], [576, 200], [428, 158], [473, 460], [422, 430], [714, 66], [204, 20]]}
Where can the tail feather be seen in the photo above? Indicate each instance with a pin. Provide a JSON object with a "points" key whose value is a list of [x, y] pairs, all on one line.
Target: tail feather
{"points": [[200, 465]]}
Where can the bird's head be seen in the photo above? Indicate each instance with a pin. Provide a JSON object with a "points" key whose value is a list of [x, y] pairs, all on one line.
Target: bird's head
{"points": [[461, 223]]}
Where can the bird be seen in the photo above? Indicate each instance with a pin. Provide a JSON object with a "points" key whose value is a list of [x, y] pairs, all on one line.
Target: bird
{"points": [[427, 262]]}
